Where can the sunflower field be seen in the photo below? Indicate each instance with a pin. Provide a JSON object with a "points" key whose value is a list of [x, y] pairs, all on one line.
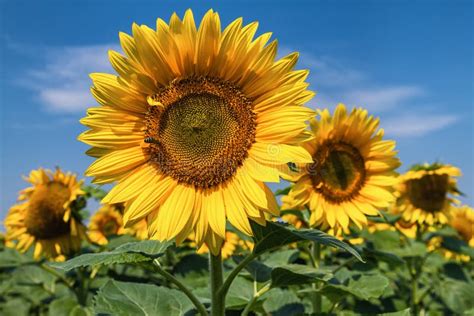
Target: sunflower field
{"points": [[186, 136]]}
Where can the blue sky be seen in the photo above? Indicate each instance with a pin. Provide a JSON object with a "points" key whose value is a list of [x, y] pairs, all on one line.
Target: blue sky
{"points": [[409, 62]]}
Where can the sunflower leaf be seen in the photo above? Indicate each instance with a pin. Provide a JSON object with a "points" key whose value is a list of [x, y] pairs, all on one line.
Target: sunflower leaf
{"points": [[125, 298], [274, 235], [294, 274], [127, 253], [364, 287]]}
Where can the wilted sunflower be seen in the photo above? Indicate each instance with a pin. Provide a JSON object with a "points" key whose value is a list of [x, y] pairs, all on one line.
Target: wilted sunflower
{"points": [[46, 218], [229, 246], [351, 173], [423, 193], [106, 222], [196, 121]]}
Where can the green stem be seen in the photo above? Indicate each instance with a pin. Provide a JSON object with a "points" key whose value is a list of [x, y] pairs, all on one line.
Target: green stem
{"points": [[61, 277], [255, 297], [228, 281], [317, 299], [316, 251], [217, 278], [345, 264], [414, 289], [199, 306]]}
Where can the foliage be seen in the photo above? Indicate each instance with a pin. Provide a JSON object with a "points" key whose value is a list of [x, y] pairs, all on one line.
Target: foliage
{"points": [[387, 273]]}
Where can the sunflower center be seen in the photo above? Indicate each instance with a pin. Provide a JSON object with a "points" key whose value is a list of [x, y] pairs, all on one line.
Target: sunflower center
{"points": [[201, 130], [338, 171], [110, 227], [44, 219], [429, 192]]}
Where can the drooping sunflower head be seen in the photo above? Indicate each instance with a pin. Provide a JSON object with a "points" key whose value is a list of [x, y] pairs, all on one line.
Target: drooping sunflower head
{"points": [[424, 193], [196, 120], [46, 217], [351, 173], [106, 222]]}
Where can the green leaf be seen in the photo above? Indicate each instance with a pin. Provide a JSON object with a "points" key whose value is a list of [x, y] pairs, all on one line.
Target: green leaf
{"points": [[457, 245], [240, 292], [382, 256], [62, 306], [95, 192], [284, 191], [275, 235], [117, 241], [15, 307], [124, 298], [457, 295], [128, 253], [34, 275], [278, 298], [191, 263], [383, 240], [259, 271], [386, 218], [405, 312], [365, 287], [12, 258], [281, 257], [414, 249], [295, 274]]}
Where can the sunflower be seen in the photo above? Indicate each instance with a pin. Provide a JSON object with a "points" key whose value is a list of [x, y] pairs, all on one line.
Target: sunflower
{"points": [[293, 220], [351, 172], [229, 246], [47, 217], [462, 220], [139, 230], [197, 120], [423, 193], [106, 222]]}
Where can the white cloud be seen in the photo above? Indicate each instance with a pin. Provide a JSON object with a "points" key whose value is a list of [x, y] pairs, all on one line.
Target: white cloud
{"points": [[373, 99], [62, 84], [378, 99], [329, 72], [336, 83], [417, 124]]}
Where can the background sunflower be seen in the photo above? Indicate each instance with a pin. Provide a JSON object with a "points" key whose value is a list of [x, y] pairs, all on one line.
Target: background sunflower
{"points": [[47, 218], [425, 193], [351, 173]]}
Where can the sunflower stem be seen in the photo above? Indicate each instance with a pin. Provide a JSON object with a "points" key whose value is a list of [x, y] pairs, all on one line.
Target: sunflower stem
{"points": [[255, 297], [316, 258], [199, 306], [217, 278], [61, 277], [233, 274]]}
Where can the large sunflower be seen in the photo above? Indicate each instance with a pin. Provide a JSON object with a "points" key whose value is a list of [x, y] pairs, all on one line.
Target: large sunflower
{"points": [[106, 222], [47, 217], [351, 172], [423, 193], [196, 121]]}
